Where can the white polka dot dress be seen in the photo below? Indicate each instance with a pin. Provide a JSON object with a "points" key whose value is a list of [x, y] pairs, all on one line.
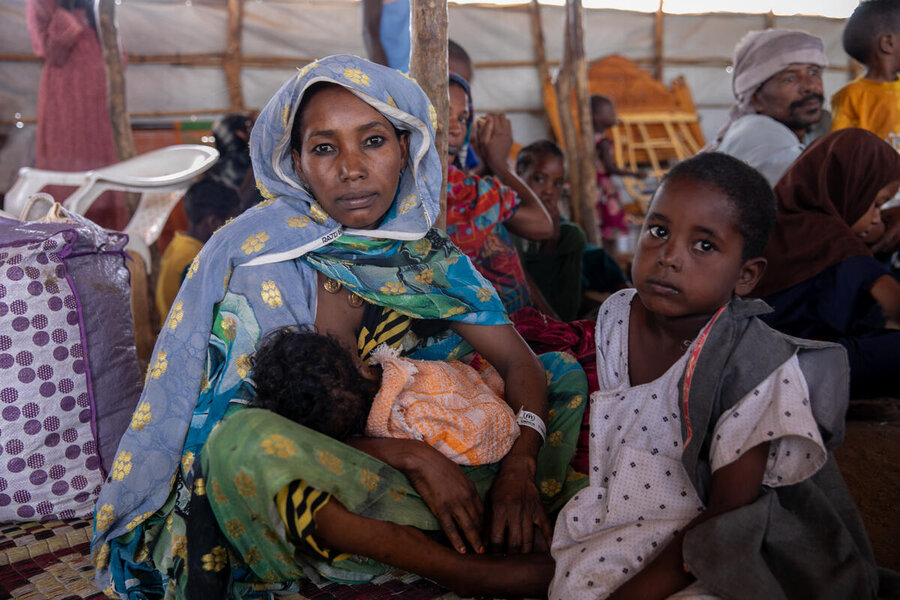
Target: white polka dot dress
{"points": [[639, 495]]}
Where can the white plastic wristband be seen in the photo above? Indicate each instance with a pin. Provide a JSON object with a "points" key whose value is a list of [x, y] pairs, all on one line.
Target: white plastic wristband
{"points": [[528, 419]]}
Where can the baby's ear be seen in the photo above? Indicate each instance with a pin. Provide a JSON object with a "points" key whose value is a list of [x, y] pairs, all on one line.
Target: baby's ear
{"points": [[751, 272]]}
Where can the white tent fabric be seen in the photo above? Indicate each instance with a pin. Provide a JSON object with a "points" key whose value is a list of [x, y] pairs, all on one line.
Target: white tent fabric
{"points": [[306, 29]]}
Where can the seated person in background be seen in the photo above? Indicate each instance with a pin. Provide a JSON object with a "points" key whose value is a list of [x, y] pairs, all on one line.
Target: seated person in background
{"points": [[610, 215], [313, 380], [232, 135], [822, 280], [777, 85], [555, 265], [872, 37], [695, 485], [460, 63], [208, 204], [482, 211]]}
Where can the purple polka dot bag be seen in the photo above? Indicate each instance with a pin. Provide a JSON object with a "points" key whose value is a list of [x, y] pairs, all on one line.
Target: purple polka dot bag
{"points": [[69, 377]]}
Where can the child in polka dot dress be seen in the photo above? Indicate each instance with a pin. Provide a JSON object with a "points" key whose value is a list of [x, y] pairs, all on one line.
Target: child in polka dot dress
{"points": [[704, 425]]}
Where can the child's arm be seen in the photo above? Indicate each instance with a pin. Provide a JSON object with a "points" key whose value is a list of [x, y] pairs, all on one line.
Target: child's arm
{"points": [[408, 548], [734, 485], [494, 139]]}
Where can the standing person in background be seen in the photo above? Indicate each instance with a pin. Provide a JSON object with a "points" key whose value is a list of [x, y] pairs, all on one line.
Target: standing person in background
{"points": [[386, 32], [74, 132], [208, 204], [872, 37], [610, 214]]}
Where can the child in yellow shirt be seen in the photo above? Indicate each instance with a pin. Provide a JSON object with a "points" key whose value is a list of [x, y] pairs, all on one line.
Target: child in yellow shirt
{"points": [[872, 37]]}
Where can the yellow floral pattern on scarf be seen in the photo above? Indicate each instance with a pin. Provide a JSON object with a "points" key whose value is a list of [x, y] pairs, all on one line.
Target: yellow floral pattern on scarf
{"points": [[279, 446], [369, 480], [245, 484], [215, 560], [484, 294], [330, 462], [159, 366], [105, 517], [141, 416], [255, 242], [393, 288], [425, 276], [176, 315], [300, 221], [121, 466], [357, 77], [271, 295], [550, 487]]}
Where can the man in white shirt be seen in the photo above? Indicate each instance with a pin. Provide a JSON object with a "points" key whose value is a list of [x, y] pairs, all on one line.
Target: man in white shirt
{"points": [[777, 85]]}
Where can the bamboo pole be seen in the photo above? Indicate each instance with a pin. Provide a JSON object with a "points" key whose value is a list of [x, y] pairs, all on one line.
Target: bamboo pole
{"points": [[578, 137], [231, 63], [428, 65], [115, 87], [658, 42], [540, 57]]}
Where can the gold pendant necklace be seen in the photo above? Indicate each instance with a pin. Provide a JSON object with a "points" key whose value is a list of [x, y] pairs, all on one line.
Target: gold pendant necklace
{"points": [[333, 286]]}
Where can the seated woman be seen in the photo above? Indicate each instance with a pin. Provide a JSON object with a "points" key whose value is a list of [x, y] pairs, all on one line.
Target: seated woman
{"points": [[822, 280], [345, 159]]}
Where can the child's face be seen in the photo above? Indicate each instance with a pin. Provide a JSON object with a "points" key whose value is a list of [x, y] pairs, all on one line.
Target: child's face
{"points": [[604, 117], [546, 178], [350, 157], [459, 116], [870, 227], [688, 260]]}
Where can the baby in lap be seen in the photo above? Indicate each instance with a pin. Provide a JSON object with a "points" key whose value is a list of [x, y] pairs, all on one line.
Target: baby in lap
{"points": [[311, 379]]}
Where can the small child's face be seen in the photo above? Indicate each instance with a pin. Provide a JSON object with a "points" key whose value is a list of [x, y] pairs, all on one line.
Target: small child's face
{"points": [[459, 116], [688, 260], [869, 227], [604, 117], [546, 178]]}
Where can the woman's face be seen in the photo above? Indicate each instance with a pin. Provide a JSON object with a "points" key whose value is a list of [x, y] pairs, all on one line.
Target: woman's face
{"points": [[870, 227], [350, 157]]}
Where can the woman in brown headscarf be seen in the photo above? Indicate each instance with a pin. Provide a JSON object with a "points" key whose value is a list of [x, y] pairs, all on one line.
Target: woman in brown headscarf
{"points": [[822, 279]]}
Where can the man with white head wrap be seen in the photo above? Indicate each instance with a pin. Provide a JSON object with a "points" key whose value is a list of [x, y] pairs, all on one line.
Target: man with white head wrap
{"points": [[777, 85]]}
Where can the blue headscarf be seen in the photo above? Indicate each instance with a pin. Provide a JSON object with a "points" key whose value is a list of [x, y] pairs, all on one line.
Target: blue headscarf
{"points": [[254, 275]]}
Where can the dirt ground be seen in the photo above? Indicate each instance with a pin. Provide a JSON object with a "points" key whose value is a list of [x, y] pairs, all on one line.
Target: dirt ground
{"points": [[869, 460]]}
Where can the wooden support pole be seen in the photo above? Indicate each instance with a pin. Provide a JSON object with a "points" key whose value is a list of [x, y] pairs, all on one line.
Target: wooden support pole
{"points": [[770, 20], [578, 134], [428, 66], [232, 60], [540, 57], [658, 42], [115, 87]]}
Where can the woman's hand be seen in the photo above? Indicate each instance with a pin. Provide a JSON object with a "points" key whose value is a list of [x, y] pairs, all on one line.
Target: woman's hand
{"points": [[449, 494], [516, 508], [515, 501]]}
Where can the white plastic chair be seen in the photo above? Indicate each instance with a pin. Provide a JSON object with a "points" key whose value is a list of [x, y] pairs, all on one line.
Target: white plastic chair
{"points": [[162, 175]]}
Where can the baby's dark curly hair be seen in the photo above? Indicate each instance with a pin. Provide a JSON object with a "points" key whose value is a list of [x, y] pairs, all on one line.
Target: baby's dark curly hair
{"points": [[312, 379]]}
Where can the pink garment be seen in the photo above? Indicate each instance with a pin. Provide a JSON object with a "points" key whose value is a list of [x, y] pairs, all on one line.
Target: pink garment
{"points": [[448, 405], [610, 214], [74, 132]]}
